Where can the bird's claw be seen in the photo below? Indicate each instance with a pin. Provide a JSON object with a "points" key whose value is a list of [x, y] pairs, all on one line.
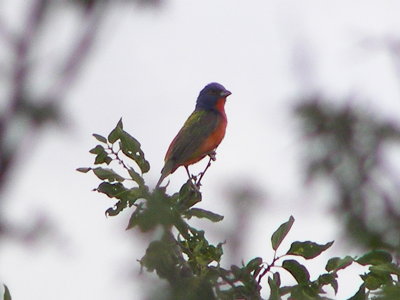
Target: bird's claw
{"points": [[194, 184], [213, 155]]}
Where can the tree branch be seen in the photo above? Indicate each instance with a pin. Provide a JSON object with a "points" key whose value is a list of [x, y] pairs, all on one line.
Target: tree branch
{"points": [[20, 72]]}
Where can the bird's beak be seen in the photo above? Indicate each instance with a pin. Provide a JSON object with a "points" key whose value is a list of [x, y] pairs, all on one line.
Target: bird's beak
{"points": [[225, 93]]}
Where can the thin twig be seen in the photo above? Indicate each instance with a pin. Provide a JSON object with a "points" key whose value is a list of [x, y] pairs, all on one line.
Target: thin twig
{"points": [[269, 266], [120, 161]]}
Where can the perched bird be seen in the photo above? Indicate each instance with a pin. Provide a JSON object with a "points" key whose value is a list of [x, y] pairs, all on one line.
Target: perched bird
{"points": [[202, 132]]}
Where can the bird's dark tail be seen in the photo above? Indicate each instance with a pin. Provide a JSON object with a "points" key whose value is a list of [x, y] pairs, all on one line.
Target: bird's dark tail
{"points": [[168, 167], [161, 180]]}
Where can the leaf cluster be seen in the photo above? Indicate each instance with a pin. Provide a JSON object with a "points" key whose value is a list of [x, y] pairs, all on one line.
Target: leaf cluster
{"points": [[380, 282], [191, 265]]}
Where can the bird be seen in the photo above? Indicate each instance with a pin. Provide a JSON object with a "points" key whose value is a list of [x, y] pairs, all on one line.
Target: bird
{"points": [[202, 132]]}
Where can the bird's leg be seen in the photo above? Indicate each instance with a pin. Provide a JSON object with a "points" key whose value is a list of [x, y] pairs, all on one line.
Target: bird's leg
{"points": [[213, 155], [187, 171], [191, 177], [212, 158]]}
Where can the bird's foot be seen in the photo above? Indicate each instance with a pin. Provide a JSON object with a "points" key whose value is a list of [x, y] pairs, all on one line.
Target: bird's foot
{"points": [[193, 178], [213, 155], [193, 183]]}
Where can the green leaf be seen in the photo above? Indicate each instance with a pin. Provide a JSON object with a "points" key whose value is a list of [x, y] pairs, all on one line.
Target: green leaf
{"points": [[112, 190], [116, 209], [102, 158], [329, 278], [390, 268], [107, 174], [205, 254], [281, 232], [131, 148], [100, 138], [388, 292], [107, 160], [115, 134], [161, 256], [7, 295], [136, 177], [277, 278], [182, 227], [143, 164], [119, 124], [284, 290], [274, 289], [375, 257], [132, 195], [307, 249], [337, 263], [236, 271], [202, 213], [374, 281], [360, 295], [101, 155], [298, 271], [188, 196], [97, 150], [129, 143], [303, 292], [136, 217], [83, 170], [334, 284], [254, 264], [127, 199], [155, 212]]}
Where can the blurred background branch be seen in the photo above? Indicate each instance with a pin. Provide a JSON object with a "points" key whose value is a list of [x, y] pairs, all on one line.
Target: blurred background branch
{"points": [[352, 150], [25, 113]]}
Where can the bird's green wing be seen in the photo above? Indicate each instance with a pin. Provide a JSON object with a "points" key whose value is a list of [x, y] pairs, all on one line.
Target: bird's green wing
{"points": [[187, 143]]}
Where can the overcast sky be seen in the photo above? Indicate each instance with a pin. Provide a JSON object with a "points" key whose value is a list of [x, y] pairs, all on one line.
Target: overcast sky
{"points": [[148, 67]]}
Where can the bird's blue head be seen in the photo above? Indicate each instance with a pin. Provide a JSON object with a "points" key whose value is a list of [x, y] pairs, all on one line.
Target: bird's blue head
{"points": [[210, 94]]}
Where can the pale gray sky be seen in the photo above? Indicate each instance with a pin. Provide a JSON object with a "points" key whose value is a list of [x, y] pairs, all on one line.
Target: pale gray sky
{"points": [[148, 67]]}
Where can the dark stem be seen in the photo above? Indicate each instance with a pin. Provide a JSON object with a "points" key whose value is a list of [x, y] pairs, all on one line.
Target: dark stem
{"points": [[115, 153], [268, 268]]}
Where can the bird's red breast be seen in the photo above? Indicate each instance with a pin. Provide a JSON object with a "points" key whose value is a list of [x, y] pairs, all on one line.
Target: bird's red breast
{"points": [[216, 137], [220, 106]]}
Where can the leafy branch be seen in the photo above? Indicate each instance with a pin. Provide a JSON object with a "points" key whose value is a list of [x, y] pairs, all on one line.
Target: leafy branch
{"points": [[192, 265]]}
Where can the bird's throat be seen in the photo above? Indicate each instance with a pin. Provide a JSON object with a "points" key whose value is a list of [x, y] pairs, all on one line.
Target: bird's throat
{"points": [[220, 106]]}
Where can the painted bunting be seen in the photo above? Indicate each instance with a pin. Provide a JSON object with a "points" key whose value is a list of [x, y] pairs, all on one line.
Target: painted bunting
{"points": [[202, 132]]}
